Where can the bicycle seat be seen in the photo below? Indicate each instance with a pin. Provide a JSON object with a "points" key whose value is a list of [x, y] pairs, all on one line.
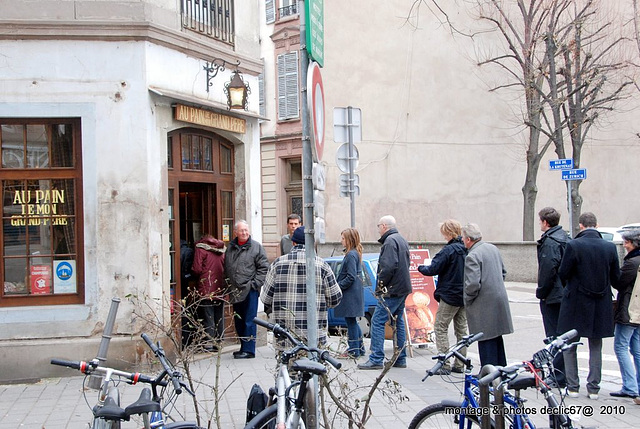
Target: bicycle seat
{"points": [[144, 404], [110, 411], [309, 366], [521, 382]]}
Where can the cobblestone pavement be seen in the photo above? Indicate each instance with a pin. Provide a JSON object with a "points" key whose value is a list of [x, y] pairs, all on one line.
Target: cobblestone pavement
{"points": [[60, 402]]}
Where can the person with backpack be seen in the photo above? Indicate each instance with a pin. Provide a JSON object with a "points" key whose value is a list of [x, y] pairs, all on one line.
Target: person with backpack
{"points": [[588, 269]]}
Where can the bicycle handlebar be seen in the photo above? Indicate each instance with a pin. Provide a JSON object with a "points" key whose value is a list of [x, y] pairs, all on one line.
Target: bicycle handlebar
{"points": [[542, 356], [466, 341], [281, 332], [168, 368], [91, 367]]}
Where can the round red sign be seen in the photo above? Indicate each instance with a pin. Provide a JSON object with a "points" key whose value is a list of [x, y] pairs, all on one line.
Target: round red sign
{"points": [[315, 100]]}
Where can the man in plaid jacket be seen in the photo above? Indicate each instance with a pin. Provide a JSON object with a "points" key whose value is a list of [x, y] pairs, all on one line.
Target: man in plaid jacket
{"points": [[285, 289]]}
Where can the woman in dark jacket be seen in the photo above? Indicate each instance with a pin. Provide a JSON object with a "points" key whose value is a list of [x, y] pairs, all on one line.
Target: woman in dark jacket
{"points": [[627, 335], [352, 305], [208, 265], [448, 265]]}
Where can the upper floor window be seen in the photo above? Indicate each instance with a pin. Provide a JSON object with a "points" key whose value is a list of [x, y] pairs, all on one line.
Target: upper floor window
{"points": [[215, 18], [288, 90], [41, 239], [284, 8], [287, 8]]}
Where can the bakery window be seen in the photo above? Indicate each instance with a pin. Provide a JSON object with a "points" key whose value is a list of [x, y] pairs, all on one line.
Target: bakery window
{"points": [[41, 238]]}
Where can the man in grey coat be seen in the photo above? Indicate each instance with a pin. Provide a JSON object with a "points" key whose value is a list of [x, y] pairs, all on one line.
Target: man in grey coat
{"points": [[483, 290], [245, 267]]}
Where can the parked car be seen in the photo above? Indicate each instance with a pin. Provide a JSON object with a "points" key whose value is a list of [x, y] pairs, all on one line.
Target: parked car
{"points": [[610, 234], [629, 226], [369, 278]]}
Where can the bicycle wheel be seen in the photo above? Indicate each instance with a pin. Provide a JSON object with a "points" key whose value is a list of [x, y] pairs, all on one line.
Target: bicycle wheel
{"points": [[266, 419], [438, 416]]}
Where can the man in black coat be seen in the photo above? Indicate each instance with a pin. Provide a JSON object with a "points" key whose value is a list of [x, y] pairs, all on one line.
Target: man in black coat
{"points": [[589, 267], [392, 289], [549, 291]]}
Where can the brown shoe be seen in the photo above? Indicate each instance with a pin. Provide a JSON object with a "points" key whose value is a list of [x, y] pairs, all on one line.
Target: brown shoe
{"points": [[636, 400]]}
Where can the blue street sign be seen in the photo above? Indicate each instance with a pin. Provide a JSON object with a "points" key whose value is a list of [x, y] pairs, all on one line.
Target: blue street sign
{"points": [[560, 164], [576, 174]]}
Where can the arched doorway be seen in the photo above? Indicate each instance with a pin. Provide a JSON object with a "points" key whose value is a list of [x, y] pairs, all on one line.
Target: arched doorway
{"points": [[201, 194]]}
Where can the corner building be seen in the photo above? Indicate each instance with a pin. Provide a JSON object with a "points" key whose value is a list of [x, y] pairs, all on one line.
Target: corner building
{"points": [[115, 144]]}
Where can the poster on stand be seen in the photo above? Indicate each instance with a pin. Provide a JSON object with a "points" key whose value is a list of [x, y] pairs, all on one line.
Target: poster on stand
{"points": [[420, 306]]}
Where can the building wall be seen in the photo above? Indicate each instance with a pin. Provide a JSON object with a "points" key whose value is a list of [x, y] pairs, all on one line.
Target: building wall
{"points": [[436, 143], [119, 66]]}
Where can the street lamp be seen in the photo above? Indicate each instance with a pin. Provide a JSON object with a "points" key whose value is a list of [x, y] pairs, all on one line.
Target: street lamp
{"points": [[237, 91]]}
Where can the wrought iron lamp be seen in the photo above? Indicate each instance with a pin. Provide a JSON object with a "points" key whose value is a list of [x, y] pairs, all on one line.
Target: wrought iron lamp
{"points": [[237, 91]]}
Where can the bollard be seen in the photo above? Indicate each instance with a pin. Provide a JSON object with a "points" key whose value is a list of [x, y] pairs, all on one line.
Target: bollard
{"points": [[95, 381]]}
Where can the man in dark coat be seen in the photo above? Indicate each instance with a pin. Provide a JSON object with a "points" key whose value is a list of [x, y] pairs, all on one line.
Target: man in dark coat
{"points": [[393, 287], [549, 291], [589, 267]]}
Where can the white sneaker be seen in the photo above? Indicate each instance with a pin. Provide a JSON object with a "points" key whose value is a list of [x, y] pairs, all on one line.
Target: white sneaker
{"points": [[573, 394], [593, 396]]}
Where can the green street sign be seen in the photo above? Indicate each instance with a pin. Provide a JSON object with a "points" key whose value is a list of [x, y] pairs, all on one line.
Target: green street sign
{"points": [[314, 10]]}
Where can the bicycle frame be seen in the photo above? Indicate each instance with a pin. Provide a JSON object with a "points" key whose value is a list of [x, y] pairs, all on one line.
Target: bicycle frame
{"points": [[293, 400], [470, 401]]}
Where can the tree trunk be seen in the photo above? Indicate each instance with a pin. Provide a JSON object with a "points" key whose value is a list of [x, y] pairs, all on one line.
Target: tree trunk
{"points": [[530, 193]]}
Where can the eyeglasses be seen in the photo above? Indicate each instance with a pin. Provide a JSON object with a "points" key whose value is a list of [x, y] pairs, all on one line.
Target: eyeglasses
{"points": [[380, 224]]}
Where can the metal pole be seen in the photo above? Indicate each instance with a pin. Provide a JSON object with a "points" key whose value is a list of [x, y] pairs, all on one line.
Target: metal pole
{"points": [[95, 381], [569, 191], [352, 187], [307, 185], [307, 189]]}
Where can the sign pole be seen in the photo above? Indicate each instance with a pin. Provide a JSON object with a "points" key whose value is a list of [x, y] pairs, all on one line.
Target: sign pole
{"points": [[569, 192], [352, 188], [307, 185]]}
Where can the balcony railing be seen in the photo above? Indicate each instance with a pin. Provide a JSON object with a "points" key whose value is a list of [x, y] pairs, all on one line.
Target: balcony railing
{"points": [[292, 9], [211, 17]]}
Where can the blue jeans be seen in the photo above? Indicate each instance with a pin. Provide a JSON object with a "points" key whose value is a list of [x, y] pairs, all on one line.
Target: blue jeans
{"points": [[395, 307], [627, 339], [246, 311], [354, 334]]}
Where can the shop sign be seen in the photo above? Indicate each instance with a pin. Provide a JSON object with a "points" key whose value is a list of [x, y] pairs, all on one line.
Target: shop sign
{"points": [[211, 119]]}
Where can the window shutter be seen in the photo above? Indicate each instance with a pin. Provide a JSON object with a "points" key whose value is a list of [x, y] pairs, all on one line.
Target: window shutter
{"points": [[271, 11], [288, 91], [262, 104]]}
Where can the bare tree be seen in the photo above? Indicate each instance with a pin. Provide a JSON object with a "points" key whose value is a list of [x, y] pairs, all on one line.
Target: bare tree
{"points": [[567, 59]]}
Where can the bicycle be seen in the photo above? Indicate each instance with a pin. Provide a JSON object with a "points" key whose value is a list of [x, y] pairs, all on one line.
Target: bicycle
{"points": [[468, 412], [287, 407], [151, 405]]}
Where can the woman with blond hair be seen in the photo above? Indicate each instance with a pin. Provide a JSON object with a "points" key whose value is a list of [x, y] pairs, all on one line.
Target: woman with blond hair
{"points": [[352, 305], [448, 265]]}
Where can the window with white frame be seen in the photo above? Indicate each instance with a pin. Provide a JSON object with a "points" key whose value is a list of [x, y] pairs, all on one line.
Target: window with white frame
{"points": [[288, 88]]}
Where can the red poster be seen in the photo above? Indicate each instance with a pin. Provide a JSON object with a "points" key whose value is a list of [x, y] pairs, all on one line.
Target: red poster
{"points": [[40, 279], [420, 306]]}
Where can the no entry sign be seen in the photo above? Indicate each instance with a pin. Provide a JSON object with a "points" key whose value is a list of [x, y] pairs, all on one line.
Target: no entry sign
{"points": [[315, 100]]}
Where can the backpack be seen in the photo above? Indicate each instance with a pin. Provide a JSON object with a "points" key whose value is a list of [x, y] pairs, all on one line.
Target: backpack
{"points": [[256, 402]]}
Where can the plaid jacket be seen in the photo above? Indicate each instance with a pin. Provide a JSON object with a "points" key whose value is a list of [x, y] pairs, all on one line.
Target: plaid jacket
{"points": [[285, 290]]}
